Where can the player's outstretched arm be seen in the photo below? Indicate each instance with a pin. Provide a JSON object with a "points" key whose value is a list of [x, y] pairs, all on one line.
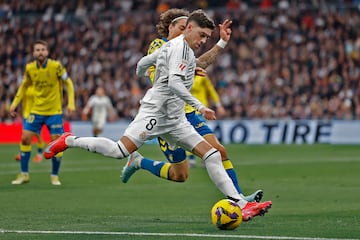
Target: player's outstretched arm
{"points": [[176, 85], [71, 96], [17, 99], [146, 62], [209, 57]]}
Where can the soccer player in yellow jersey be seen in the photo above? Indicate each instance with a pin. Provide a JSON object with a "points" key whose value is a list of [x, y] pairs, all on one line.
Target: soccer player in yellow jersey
{"points": [[203, 89], [26, 105], [47, 77], [172, 23]]}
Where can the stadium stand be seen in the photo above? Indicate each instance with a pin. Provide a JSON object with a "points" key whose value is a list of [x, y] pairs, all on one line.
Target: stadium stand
{"points": [[286, 59]]}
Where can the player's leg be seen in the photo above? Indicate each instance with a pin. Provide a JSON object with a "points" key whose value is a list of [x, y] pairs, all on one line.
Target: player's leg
{"points": [[18, 155], [40, 148], [96, 128], [32, 125], [226, 162], [217, 174], [96, 131], [187, 137], [134, 136], [175, 170], [98, 122], [56, 127], [101, 145], [203, 129]]}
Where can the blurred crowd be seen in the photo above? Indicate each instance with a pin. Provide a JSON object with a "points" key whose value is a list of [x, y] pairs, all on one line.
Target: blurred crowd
{"points": [[286, 58]]}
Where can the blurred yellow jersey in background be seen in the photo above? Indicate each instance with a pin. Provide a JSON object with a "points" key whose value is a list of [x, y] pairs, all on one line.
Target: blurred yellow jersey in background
{"points": [[47, 81], [154, 45], [27, 101]]}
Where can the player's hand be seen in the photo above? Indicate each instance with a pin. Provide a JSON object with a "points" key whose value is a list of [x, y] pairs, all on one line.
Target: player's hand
{"points": [[208, 113], [225, 30], [220, 111], [12, 112], [200, 72], [69, 112], [84, 117]]}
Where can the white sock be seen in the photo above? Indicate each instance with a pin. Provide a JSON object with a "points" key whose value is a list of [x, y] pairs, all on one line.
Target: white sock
{"points": [[104, 146], [218, 175]]}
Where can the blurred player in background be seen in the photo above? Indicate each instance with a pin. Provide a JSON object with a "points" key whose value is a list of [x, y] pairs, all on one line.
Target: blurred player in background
{"points": [[161, 112], [204, 90], [100, 106], [172, 24], [26, 104], [47, 77]]}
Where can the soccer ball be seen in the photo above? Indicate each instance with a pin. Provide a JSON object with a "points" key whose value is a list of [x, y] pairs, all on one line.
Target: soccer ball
{"points": [[226, 214]]}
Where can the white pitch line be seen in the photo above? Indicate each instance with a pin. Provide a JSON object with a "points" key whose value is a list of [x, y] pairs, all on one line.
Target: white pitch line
{"points": [[169, 235]]}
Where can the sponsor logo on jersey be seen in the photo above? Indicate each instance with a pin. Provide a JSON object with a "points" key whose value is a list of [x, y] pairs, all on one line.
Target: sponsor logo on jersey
{"points": [[182, 66]]}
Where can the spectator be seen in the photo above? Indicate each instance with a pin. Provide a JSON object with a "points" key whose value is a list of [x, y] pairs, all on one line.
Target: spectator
{"points": [[290, 54]]}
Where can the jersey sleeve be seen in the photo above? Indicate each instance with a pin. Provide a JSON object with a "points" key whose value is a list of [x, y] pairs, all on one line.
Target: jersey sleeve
{"points": [[20, 94], [177, 86], [145, 62], [71, 93], [178, 59], [61, 72], [214, 96], [154, 45]]}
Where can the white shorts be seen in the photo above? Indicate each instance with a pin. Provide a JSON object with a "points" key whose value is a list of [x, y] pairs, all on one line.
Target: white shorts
{"points": [[98, 121], [179, 133]]}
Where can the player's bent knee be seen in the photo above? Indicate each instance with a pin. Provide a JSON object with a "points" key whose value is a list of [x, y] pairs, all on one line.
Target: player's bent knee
{"points": [[212, 155]]}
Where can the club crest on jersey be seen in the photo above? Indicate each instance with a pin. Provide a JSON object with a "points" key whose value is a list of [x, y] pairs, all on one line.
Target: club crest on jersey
{"points": [[182, 66], [143, 135]]}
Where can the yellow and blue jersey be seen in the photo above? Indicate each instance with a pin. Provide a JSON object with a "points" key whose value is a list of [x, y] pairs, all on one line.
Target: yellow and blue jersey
{"points": [[154, 45], [27, 101], [47, 81], [203, 89]]}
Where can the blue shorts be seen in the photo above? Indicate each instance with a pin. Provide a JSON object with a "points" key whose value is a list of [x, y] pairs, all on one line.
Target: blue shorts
{"points": [[199, 123], [35, 122], [179, 155]]}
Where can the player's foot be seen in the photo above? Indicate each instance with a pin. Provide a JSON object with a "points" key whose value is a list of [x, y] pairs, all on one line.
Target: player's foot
{"points": [[55, 180], [131, 166], [21, 179], [56, 146], [37, 158], [18, 157], [253, 209], [255, 197]]}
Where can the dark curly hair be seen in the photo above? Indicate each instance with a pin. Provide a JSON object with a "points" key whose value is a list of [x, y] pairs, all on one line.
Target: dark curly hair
{"points": [[166, 18]]}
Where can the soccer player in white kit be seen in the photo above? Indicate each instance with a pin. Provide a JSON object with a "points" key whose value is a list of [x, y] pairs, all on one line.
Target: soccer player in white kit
{"points": [[100, 106], [162, 111]]}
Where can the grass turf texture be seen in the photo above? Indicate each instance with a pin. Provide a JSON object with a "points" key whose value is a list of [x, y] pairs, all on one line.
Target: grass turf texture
{"points": [[315, 191]]}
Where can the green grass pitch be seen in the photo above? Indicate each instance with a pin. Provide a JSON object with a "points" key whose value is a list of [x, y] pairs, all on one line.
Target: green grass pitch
{"points": [[315, 191]]}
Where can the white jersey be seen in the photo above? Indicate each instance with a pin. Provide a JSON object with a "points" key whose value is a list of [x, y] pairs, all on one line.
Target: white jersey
{"points": [[175, 58], [161, 113], [100, 106]]}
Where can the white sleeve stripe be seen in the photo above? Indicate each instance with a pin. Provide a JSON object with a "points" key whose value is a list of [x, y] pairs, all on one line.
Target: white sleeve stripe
{"points": [[185, 54], [64, 76]]}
